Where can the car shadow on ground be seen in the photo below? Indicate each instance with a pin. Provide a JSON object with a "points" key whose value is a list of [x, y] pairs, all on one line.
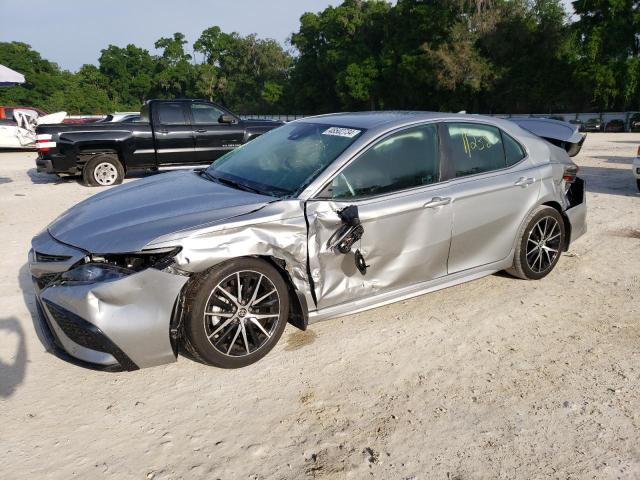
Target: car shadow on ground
{"points": [[28, 296], [612, 181], [48, 178], [13, 368], [621, 160]]}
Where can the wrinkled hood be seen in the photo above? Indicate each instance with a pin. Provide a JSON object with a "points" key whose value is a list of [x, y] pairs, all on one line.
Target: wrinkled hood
{"points": [[128, 217]]}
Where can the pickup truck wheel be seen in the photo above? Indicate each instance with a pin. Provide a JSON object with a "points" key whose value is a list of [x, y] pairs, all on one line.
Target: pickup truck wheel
{"points": [[103, 170]]}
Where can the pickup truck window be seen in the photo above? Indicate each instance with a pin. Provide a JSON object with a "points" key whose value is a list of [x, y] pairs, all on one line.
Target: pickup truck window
{"points": [[171, 114], [205, 114]]}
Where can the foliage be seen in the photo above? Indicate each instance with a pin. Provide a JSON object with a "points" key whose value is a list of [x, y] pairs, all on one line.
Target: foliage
{"points": [[511, 56]]}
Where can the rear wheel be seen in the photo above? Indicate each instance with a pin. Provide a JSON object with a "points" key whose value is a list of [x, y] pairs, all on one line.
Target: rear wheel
{"points": [[103, 170], [236, 313], [540, 244], [638, 183]]}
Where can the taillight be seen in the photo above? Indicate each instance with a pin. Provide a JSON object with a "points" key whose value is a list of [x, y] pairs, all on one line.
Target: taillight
{"points": [[44, 143], [570, 173]]}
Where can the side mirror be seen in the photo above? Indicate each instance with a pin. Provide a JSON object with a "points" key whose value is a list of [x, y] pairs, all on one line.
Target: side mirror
{"points": [[225, 118]]}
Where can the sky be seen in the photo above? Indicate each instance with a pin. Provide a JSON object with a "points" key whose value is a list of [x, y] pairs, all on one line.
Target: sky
{"points": [[72, 32]]}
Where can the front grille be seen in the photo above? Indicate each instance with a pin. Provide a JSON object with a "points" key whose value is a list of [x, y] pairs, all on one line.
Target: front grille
{"points": [[46, 258], [87, 334]]}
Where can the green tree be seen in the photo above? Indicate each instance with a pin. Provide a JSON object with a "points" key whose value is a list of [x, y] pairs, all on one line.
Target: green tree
{"points": [[175, 75], [608, 32]]}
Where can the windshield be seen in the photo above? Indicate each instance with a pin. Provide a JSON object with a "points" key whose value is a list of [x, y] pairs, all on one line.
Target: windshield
{"points": [[285, 160]]}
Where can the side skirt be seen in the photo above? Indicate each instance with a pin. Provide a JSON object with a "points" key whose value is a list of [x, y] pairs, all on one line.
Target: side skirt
{"points": [[386, 298]]}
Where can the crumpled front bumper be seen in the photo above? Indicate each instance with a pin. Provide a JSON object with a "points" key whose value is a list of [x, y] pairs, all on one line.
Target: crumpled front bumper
{"points": [[121, 324]]}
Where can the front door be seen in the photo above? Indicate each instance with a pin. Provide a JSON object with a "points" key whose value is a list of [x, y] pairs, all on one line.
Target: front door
{"points": [[175, 143], [405, 214], [493, 187], [213, 138]]}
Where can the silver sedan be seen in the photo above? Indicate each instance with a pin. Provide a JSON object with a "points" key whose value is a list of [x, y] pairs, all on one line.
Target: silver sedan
{"points": [[319, 218]]}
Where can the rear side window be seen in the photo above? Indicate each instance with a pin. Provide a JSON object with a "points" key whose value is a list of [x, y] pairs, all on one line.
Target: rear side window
{"points": [[473, 148], [403, 160], [171, 114], [512, 150]]}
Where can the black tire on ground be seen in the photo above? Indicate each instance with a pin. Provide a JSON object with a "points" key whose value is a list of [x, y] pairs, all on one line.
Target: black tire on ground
{"points": [[638, 183], [540, 244], [248, 344], [103, 170]]}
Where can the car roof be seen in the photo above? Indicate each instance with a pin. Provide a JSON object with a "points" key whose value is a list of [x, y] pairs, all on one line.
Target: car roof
{"points": [[384, 120]]}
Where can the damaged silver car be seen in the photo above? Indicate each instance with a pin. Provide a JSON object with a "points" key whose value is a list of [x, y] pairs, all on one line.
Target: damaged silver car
{"points": [[319, 218]]}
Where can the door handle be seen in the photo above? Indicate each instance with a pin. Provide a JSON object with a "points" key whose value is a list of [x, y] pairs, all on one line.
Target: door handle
{"points": [[163, 132], [524, 181], [437, 202], [201, 130]]}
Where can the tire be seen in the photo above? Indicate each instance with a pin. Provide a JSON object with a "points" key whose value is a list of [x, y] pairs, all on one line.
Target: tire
{"points": [[539, 245], [235, 338], [103, 170], [638, 183]]}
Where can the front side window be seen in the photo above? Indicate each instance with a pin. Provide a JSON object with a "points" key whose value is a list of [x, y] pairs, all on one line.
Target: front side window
{"points": [[285, 160], [205, 114], [171, 114], [403, 160], [473, 148]]}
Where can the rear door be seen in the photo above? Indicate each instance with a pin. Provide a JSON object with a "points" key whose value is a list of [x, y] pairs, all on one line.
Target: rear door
{"points": [[213, 138], [493, 187], [175, 142], [405, 213]]}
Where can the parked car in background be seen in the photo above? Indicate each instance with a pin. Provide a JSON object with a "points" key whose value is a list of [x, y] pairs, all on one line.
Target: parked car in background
{"points": [[634, 123], [169, 133], [19, 132], [592, 125], [6, 112], [616, 125], [577, 123], [322, 217]]}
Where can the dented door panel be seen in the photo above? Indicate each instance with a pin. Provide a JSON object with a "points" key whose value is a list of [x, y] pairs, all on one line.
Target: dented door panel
{"points": [[405, 241]]}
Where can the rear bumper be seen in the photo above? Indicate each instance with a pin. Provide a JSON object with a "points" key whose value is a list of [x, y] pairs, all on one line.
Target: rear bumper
{"points": [[55, 164], [636, 168], [577, 212]]}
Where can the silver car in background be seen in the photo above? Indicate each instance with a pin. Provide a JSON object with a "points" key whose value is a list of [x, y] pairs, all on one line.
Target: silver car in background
{"points": [[320, 218]]}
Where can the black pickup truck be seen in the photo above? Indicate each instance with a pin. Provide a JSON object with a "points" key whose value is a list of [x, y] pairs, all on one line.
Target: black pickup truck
{"points": [[170, 133]]}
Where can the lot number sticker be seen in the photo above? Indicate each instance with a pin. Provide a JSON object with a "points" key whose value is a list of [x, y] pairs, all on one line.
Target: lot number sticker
{"points": [[341, 132]]}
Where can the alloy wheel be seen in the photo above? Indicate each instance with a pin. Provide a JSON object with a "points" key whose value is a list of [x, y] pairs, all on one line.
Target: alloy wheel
{"points": [[241, 313], [543, 244]]}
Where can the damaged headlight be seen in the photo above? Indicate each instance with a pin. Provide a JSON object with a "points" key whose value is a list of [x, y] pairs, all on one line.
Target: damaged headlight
{"points": [[104, 268], [94, 272]]}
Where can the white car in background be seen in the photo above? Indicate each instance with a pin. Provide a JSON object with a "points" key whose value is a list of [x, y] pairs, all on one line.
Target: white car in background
{"points": [[20, 131]]}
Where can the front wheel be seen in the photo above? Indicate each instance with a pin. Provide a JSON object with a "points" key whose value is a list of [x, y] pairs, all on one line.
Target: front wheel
{"points": [[638, 183], [236, 313], [103, 170], [540, 244]]}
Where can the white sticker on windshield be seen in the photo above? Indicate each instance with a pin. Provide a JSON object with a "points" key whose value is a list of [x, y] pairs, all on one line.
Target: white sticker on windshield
{"points": [[341, 132]]}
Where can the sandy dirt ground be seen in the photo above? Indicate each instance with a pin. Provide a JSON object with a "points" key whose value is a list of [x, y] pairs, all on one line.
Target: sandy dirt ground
{"points": [[498, 378]]}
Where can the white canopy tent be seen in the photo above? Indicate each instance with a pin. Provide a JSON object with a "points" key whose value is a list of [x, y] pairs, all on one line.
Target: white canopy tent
{"points": [[9, 77]]}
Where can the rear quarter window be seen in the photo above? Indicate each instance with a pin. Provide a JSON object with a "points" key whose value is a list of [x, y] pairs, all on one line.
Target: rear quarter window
{"points": [[513, 151]]}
